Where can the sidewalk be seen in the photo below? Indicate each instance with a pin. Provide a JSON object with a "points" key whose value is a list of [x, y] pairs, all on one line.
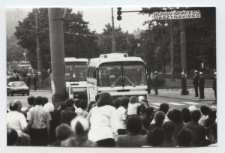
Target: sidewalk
{"points": [[176, 93]]}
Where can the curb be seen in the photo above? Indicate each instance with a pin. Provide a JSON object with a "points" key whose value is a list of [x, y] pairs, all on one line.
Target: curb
{"points": [[197, 100]]}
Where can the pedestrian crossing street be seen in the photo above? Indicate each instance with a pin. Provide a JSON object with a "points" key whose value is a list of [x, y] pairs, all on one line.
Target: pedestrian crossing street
{"points": [[174, 104]]}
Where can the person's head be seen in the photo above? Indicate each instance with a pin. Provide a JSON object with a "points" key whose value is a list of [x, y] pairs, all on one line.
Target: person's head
{"points": [[31, 100], [182, 74], [176, 116], [215, 73], [19, 103], [90, 105], [149, 111], [212, 113], [192, 108], [63, 131], [13, 106], [124, 102], [169, 129], [80, 126], [196, 72], [38, 100], [155, 137], [24, 140], [134, 125], [83, 104], [184, 138], [211, 132], [159, 118], [104, 99], [186, 115], [196, 115], [200, 73], [69, 103], [133, 99], [12, 137], [117, 102], [63, 105], [164, 107], [44, 100], [205, 110], [77, 103]]}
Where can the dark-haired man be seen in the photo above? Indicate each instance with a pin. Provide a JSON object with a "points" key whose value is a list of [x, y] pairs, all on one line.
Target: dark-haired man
{"points": [[197, 129], [12, 137], [39, 124], [67, 115], [15, 119], [133, 138]]}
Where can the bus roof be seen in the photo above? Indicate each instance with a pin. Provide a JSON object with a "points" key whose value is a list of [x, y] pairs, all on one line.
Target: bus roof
{"points": [[73, 59], [98, 61]]}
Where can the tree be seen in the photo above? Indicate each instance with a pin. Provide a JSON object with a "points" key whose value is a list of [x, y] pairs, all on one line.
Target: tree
{"points": [[200, 39], [121, 38], [77, 44], [14, 51]]}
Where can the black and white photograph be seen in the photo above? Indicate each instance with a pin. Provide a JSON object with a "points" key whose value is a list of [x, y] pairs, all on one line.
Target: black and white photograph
{"points": [[111, 77]]}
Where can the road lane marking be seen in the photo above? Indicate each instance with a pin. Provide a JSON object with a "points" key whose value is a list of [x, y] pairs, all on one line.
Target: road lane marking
{"points": [[158, 104], [174, 103], [191, 103]]}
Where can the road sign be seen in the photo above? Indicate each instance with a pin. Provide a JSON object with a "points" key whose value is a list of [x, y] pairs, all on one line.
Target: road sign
{"points": [[173, 15]]}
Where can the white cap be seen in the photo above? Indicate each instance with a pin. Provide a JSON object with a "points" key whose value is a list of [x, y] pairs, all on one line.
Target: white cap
{"points": [[79, 123], [182, 73], [200, 73], [196, 71], [192, 108], [156, 72], [215, 73]]}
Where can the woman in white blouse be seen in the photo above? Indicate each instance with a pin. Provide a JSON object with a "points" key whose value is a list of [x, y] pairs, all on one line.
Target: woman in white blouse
{"points": [[104, 122]]}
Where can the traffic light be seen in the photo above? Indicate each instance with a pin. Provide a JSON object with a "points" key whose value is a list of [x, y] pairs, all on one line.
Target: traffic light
{"points": [[119, 13]]}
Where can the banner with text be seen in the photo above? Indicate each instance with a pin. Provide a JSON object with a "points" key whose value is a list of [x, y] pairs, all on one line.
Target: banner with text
{"points": [[190, 14]]}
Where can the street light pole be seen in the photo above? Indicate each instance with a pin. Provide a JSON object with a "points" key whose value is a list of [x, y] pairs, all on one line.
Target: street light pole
{"points": [[172, 55], [183, 47], [38, 50], [113, 34]]}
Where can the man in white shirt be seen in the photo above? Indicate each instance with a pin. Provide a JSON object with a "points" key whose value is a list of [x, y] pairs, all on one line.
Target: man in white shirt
{"points": [[15, 119]]}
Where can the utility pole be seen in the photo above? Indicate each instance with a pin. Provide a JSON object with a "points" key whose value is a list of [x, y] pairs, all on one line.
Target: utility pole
{"points": [[57, 55], [172, 55], [183, 47], [113, 34], [38, 50]]}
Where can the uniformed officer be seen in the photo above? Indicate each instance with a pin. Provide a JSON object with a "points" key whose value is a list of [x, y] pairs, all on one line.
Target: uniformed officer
{"points": [[214, 85], [156, 82], [201, 84], [149, 82], [183, 84], [195, 82]]}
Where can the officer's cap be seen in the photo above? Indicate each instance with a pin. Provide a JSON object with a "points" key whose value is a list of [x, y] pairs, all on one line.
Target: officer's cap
{"points": [[215, 73], [196, 71], [200, 73], [156, 72]]}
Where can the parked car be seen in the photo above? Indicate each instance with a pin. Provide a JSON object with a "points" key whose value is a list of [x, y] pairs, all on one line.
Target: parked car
{"points": [[17, 87]]}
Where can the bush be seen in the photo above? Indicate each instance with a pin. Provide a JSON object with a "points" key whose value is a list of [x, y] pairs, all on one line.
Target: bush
{"points": [[162, 82]]}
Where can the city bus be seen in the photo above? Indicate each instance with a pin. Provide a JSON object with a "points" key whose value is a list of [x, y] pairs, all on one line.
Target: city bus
{"points": [[117, 74], [76, 77]]}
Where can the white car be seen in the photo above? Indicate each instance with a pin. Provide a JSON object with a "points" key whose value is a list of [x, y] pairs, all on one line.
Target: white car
{"points": [[17, 87]]}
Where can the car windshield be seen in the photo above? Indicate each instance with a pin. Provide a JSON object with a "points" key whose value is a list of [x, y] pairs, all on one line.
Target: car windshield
{"points": [[76, 71], [18, 84], [122, 74]]}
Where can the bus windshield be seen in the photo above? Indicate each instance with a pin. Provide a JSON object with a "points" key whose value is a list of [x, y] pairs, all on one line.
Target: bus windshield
{"points": [[76, 71], [122, 74]]}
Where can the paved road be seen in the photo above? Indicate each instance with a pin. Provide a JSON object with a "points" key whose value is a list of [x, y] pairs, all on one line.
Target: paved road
{"points": [[154, 101]]}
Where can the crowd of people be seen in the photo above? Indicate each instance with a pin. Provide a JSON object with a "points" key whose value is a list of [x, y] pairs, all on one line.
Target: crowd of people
{"points": [[124, 122]]}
